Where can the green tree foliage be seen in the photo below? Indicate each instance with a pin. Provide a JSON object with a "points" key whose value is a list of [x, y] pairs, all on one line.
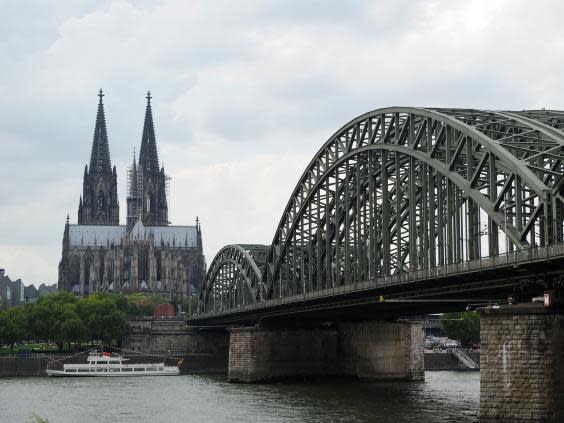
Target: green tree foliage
{"points": [[102, 317], [49, 316], [145, 304], [62, 317], [73, 330], [190, 304], [13, 325], [464, 327]]}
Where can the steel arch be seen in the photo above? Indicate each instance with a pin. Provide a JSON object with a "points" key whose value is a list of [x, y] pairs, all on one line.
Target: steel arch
{"points": [[505, 164], [233, 278], [401, 189]]}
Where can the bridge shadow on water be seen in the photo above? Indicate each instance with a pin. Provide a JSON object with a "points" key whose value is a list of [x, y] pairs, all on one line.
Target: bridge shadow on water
{"points": [[443, 397]]}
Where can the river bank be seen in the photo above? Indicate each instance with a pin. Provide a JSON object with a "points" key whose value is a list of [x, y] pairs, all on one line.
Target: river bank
{"points": [[35, 364]]}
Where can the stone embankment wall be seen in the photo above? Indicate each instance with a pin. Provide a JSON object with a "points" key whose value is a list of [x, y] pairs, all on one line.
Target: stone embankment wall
{"points": [[16, 366], [447, 361], [205, 350], [150, 340], [364, 350], [522, 364]]}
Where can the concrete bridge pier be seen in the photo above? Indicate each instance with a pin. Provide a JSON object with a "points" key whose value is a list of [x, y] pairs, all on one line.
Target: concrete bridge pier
{"points": [[522, 364], [365, 350]]}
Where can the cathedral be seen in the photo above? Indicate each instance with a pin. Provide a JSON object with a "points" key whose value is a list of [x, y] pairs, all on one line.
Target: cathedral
{"points": [[146, 254]]}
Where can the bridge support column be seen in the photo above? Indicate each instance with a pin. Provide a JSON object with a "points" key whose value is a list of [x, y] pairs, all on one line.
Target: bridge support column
{"points": [[365, 350], [382, 351], [522, 364], [262, 354]]}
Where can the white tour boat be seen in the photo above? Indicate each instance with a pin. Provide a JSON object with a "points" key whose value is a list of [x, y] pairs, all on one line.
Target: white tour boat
{"points": [[106, 364]]}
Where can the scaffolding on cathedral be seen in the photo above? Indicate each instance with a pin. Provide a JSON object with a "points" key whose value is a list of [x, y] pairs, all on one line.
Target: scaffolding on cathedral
{"points": [[134, 190], [167, 192]]}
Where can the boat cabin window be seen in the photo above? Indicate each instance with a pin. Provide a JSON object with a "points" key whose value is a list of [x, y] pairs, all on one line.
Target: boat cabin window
{"points": [[70, 370], [151, 369], [83, 370], [139, 369], [160, 368], [126, 369], [102, 362]]}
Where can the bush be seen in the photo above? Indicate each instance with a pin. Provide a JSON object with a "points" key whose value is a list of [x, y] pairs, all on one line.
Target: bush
{"points": [[464, 327]]}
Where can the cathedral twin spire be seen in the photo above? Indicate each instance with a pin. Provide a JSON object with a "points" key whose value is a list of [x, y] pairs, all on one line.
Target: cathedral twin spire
{"points": [[99, 204], [148, 156], [100, 157]]}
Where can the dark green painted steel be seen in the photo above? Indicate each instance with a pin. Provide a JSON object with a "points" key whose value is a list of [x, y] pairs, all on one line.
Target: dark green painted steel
{"points": [[400, 190]]}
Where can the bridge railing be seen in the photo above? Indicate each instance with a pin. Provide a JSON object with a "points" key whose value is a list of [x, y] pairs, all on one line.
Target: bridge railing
{"points": [[515, 258]]}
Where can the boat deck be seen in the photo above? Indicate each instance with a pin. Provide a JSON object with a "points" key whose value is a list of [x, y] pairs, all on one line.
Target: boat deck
{"points": [[116, 365]]}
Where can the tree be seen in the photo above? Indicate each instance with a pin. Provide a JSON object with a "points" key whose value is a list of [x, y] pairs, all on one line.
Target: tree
{"points": [[50, 316], [102, 318], [74, 330], [40, 320], [144, 304], [124, 304], [67, 326], [464, 327], [190, 304], [14, 326], [62, 318]]}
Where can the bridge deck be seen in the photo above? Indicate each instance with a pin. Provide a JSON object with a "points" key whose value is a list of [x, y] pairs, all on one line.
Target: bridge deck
{"points": [[442, 288]]}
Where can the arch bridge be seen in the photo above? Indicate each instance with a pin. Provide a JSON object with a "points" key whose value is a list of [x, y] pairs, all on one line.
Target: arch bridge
{"points": [[413, 204]]}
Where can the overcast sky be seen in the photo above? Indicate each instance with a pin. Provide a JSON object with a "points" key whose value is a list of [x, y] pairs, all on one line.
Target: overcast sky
{"points": [[244, 94]]}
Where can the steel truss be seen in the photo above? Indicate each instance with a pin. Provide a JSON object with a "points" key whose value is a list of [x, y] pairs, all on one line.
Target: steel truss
{"points": [[233, 278], [402, 189]]}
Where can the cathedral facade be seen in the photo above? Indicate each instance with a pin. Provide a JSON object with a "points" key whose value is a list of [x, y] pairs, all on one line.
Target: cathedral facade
{"points": [[146, 254]]}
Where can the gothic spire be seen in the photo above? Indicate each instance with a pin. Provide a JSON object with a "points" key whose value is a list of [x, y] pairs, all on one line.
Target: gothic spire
{"points": [[148, 156], [134, 178], [134, 160], [100, 156]]}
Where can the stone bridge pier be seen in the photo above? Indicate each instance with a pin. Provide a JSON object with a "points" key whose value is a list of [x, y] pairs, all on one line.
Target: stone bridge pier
{"points": [[522, 364], [366, 350]]}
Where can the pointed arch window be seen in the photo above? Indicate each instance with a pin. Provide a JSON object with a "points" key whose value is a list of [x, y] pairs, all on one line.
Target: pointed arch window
{"points": [[150, 204], [100, 203]]}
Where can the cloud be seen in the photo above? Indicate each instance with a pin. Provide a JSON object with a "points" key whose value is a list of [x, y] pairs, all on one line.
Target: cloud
{"points": [[243, 96], [253, 192]]}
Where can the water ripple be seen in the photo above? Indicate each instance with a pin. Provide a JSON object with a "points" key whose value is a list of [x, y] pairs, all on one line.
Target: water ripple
{"points": [[443, 397]]}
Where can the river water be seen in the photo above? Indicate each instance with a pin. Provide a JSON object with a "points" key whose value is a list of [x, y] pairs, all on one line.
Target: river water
{"points": [[443, 397]]}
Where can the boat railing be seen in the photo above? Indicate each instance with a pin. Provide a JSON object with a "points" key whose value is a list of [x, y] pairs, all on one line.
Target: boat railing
{"points": [[113, 359]]}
